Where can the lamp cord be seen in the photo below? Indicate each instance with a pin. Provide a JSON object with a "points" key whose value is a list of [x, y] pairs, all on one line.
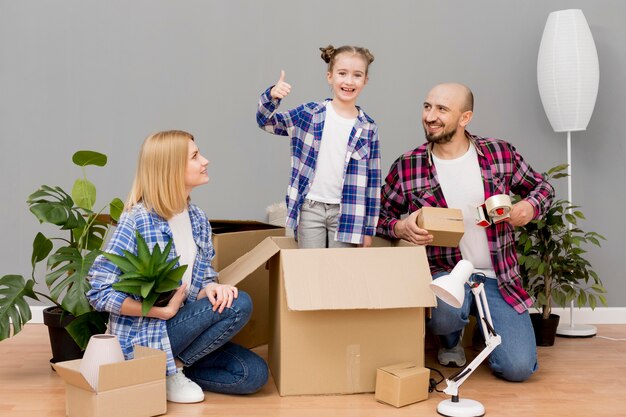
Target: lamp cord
{"points": [[432, 382]]}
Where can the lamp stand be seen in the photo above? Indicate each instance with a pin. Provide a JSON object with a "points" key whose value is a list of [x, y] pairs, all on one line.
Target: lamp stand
{"points": [[461, 408], [573, 330], [456, 407]]}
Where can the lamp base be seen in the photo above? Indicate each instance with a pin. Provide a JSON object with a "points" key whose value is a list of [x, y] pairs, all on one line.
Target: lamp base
{"points": [[576, 330], [463, 408]]}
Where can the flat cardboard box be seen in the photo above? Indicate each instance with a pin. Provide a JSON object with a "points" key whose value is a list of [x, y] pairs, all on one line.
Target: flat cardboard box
{"points": [[445, 224], [231, 239], [336, 315], [133, 388], [402, 384]]}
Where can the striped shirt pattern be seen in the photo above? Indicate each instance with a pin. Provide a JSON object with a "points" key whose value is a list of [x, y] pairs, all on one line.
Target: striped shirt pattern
{"points": [[412, 183], [147, 331], [360, 203]]}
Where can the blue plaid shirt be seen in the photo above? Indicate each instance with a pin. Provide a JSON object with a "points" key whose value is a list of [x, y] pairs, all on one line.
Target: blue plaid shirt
{"points": [[147, 331], [360, 201]]}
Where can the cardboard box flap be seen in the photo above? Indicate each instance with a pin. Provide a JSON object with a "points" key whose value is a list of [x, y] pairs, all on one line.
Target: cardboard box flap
{"points": [[248, 263], [351, 278], [148, 365], [400, 370], [69, 371]]}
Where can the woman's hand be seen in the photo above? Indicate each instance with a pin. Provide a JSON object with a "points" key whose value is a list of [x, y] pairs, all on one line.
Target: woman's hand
{"points": [[131, 307], [221, 295], [281, 89], [367, 242], [175, 303]]}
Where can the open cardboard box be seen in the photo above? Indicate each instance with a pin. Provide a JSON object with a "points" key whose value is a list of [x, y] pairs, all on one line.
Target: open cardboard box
{"points": [[133, 388], [336, 315], [231, 239], [445, 224]]}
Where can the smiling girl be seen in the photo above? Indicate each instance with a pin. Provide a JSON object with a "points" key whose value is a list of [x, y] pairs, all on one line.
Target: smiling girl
{"points": [[333, 197]]}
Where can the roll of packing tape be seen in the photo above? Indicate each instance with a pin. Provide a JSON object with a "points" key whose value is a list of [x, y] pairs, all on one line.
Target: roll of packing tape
{"points": [[498, 205]]}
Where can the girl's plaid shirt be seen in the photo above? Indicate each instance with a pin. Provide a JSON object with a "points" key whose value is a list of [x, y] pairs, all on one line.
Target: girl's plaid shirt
{"points": [[360, 202]]}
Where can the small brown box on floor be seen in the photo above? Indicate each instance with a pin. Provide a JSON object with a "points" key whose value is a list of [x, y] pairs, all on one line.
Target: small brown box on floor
{"points": [[445, 224], [402, 384], [133, 388]]}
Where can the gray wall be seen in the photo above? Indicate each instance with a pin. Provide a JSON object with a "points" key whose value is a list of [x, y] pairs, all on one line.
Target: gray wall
{"points": [[102, 75]]}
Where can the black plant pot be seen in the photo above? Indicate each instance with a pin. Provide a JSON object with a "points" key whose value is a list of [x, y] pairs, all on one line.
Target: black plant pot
{"points": [[164, 298], [64, 348], [545, 329]]}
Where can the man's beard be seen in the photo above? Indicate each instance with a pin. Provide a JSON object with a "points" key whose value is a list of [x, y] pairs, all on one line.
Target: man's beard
{"points": [[443, 138]]}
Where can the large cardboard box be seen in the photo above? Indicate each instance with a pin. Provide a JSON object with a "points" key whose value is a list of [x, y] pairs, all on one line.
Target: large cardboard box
{"points": [[231, 239], [445, 224], [134, 388], [402, 384], [336, 315]]}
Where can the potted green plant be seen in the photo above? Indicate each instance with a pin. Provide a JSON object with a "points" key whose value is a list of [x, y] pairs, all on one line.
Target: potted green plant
{"points": [[550, 254], [67, 257], [148, 275]]}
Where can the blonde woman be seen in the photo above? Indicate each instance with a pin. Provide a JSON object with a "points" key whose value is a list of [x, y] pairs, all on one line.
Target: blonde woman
{"points": [[195, 327]]}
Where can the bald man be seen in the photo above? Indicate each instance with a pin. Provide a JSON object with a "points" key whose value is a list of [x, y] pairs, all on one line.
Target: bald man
{"points": [[459, 170]]}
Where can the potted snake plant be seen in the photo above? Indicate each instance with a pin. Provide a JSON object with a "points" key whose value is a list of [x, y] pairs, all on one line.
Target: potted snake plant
{"points": [[148, 275]]}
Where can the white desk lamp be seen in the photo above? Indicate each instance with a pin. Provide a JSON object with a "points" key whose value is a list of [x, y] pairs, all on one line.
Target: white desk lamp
{"points": [[450, 289]]}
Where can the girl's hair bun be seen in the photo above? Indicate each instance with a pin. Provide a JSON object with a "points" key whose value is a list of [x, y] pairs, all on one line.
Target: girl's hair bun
{"points": [[327, 53], [330, 54]]}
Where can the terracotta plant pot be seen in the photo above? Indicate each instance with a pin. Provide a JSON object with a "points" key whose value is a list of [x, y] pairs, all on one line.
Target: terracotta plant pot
{"points": [[545, 329]]}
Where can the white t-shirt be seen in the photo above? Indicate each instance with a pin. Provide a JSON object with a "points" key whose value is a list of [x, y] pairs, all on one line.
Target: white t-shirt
{"points": [[180, 224], [462, 185], [328, 179]]}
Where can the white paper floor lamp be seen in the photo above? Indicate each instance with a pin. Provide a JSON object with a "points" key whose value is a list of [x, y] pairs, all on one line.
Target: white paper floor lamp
{"points": [[568, 75]]}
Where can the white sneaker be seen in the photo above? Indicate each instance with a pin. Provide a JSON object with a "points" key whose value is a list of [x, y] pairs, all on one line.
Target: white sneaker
{"points": [[181, 389]]}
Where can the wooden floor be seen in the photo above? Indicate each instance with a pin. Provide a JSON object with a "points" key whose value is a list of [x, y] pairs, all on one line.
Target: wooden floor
{"points": [[577, 377]]}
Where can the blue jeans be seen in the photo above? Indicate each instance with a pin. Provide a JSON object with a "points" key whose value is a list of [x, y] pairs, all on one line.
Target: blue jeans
{"points": [[516, 358], [200, 338]]}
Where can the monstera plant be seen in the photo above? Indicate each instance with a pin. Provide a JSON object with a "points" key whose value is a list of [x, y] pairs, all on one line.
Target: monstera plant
{"points": [[67, 255]]}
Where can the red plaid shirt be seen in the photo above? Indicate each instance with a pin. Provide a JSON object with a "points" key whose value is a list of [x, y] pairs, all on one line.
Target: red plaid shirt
{"points": [[412, 183]]}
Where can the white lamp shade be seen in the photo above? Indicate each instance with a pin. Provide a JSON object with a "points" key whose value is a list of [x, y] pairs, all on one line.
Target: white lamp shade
{"points": [[567, 71], [101, 349], [451, 288]]}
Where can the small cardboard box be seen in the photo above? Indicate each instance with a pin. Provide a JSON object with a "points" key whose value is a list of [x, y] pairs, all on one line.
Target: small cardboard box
{"points": [[231, 239], [445, 224], [134, 388], [402, 384], [336, 315]]}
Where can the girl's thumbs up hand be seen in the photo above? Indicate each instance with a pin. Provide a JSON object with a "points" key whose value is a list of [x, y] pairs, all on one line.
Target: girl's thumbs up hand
{"points": [[281, 89]]}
